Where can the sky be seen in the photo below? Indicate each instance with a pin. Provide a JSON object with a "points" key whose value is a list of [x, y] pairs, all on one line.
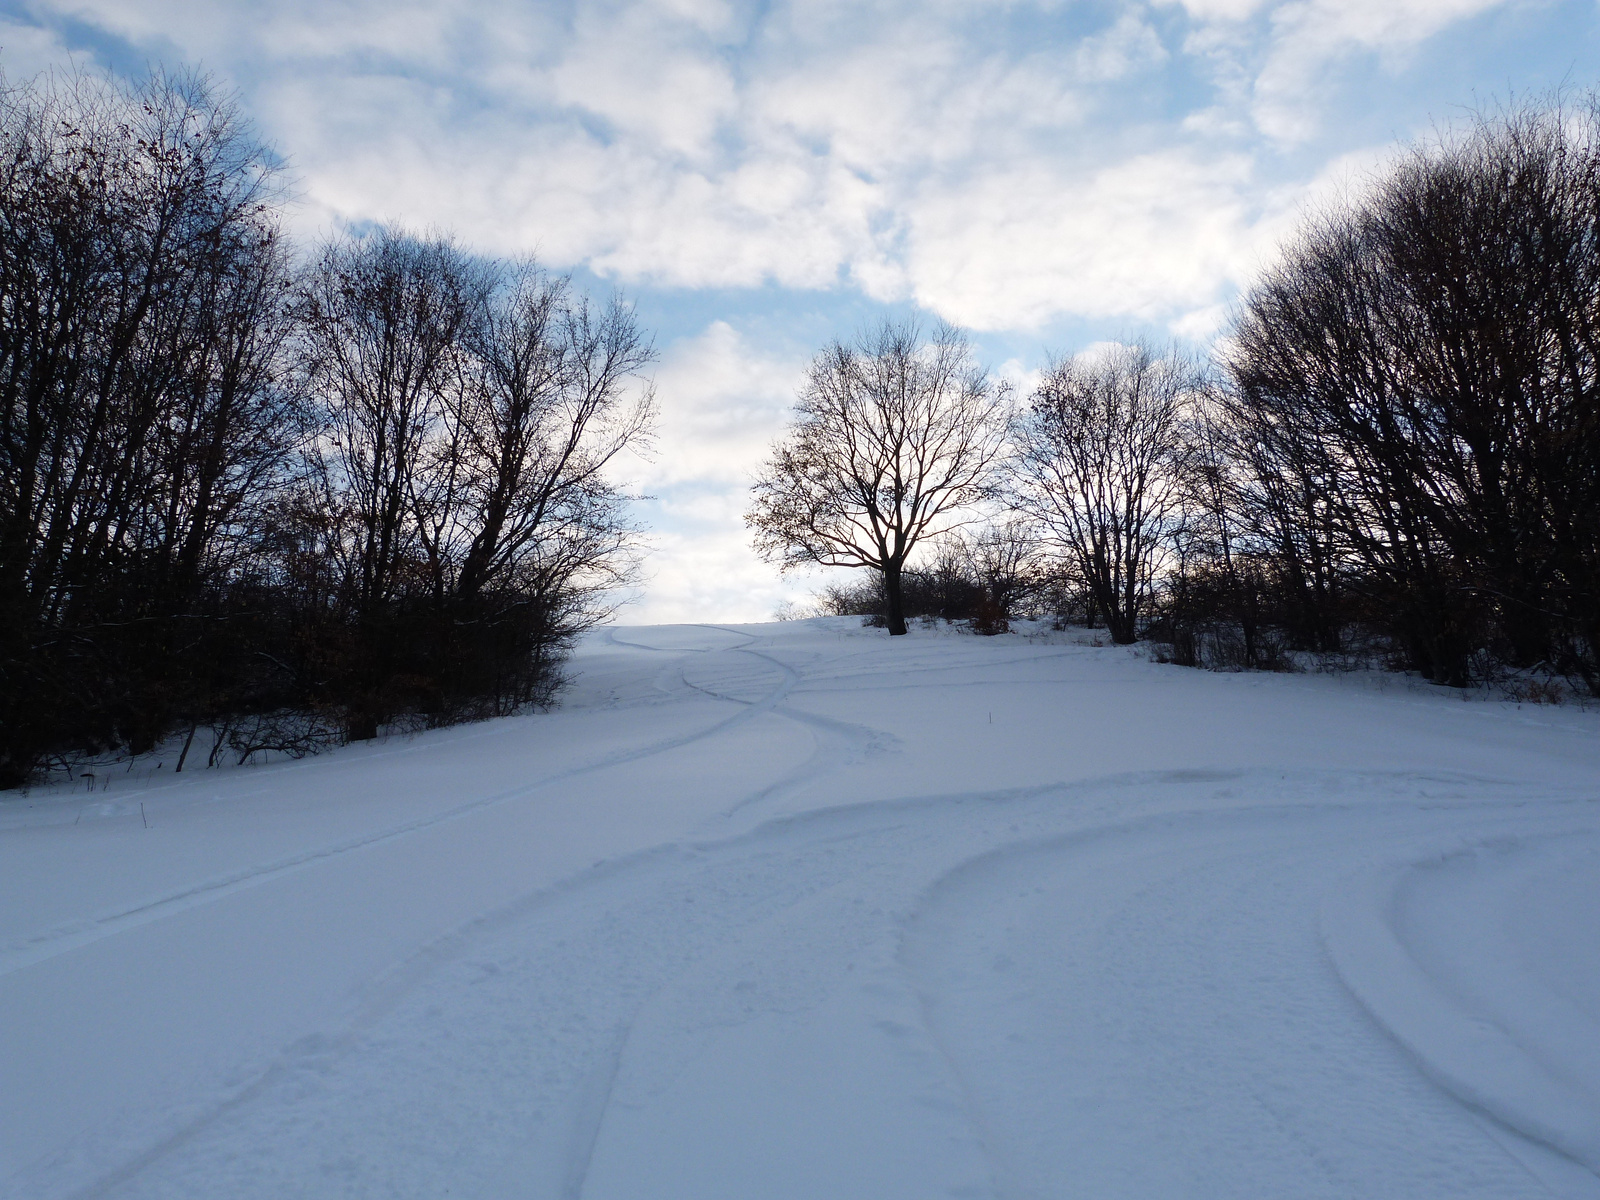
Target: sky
{"points": [[759, 178]]}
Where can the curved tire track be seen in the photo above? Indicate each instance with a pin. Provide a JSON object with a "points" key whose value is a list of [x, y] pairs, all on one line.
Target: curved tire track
{"points": [[40, 948]]}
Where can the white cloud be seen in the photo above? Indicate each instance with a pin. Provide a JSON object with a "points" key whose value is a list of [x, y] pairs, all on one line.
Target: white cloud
{"points": [[723, 402], [1221, 10], [1098, 352], [651, 74], [1311, 38], [1280, 62], [29, 50], [1128, 46], [1201, 325], [1021, 377], [692, 577], [914, 150], [688, 143], [1145, 238]]}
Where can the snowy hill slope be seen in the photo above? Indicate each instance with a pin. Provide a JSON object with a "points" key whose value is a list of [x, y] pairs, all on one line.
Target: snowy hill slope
{"points": [[799, 911]]}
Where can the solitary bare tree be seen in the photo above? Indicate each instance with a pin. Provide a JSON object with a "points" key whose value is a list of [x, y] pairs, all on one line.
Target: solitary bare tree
{"points": [[1098, 466], [894, 438]]}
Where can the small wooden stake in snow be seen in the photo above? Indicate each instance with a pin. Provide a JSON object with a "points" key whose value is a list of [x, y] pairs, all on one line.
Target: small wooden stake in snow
{"points": [[142, 816]]}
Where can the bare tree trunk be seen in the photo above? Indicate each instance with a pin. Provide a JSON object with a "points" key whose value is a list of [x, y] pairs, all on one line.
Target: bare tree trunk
{"points": [[187, 742], [892, 591]]}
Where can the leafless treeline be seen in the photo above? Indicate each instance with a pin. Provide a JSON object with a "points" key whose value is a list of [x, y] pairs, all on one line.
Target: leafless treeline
{"points": [[1411, 438], [285, 498], [1398, 447]]}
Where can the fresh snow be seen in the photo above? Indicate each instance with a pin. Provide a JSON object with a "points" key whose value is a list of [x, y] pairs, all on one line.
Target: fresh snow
{"points": [[800, 911]]}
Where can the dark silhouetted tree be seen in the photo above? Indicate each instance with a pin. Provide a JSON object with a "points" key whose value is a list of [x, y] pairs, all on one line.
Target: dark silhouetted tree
{"points": [[1417, 383], [142, 408], [1099, 462], [894, 439]]}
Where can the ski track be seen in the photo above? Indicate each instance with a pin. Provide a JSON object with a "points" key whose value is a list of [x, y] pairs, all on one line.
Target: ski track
{"points": [[19, 956], [660, 876], [1237, 938], [1525, 1056], [992, 891], [384, 994]]}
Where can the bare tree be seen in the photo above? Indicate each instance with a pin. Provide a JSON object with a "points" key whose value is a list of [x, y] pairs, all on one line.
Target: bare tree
{"points": [[286, 504], [1098, 466], [551, 412], [1426, 363], [1003, 559], [140, 325], [524, 534], [473, 409], [385, 320], [894, 438]]}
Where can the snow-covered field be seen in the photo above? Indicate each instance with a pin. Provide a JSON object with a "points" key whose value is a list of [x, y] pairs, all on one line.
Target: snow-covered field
{"points": [[797, 911]]}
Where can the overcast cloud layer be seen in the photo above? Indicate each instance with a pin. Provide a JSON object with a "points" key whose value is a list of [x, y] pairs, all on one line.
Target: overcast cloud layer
{"points": [[760, 177]]}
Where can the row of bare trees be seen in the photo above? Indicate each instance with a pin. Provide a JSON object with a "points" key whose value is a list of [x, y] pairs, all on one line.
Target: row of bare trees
{"points": [[290, 499], [1398, 446], [1415, 406], [898, 441]]}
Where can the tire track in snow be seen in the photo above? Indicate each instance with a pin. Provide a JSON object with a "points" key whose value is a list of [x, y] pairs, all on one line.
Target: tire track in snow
{"points": [[28, 952], [384, 994], [809, 834], [836, 743], [1532, 1064], [592, 1095], [1135, 910], [323, 1051]]}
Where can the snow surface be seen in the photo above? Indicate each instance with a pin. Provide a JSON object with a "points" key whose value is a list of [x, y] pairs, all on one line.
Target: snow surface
{"points": [[797, 911]]}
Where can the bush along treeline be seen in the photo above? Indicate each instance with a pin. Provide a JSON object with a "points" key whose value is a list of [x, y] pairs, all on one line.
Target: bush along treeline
{"points": [[288, 498], [1396, 451]]}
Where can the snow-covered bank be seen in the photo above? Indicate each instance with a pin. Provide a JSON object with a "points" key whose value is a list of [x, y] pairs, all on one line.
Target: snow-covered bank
{"points": [[797, 910]]}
